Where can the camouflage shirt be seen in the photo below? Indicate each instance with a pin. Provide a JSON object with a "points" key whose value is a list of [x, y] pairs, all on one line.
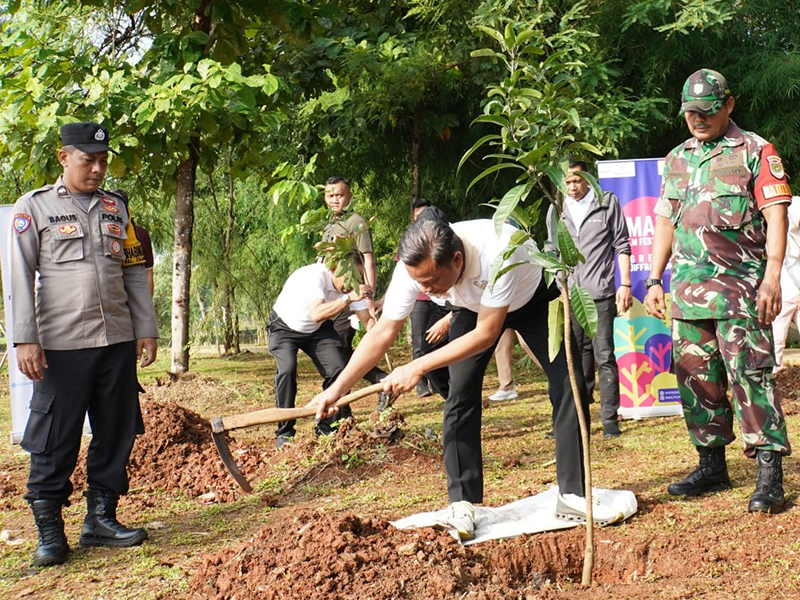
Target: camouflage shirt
{"points": [[713, 194]]}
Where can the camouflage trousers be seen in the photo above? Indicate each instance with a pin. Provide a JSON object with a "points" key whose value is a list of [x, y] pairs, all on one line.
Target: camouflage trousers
{"points": [[709, 355]]}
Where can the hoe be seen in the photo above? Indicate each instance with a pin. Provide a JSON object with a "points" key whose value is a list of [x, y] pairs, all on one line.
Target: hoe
{"points": [[219, 425]]}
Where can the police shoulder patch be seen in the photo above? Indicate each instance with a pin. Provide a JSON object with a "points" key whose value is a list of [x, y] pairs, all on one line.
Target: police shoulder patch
{"points": [[21, 222]]}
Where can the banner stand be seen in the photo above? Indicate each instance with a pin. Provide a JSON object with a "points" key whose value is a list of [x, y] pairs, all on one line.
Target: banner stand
{"points": [[642, 344]]}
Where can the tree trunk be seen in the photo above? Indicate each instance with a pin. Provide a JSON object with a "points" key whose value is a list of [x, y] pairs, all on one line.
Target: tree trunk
{"points": [[184, 224], [416, 146], [182, 265], [228, 300], [236, 348]]}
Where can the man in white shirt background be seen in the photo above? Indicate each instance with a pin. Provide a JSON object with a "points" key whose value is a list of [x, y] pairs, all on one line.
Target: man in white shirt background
{"points": [[301, 319], [599, 230], [790, 285]]}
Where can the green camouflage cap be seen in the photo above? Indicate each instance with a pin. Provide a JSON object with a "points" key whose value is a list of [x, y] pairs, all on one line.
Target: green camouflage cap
{"points": [[704, 92]]}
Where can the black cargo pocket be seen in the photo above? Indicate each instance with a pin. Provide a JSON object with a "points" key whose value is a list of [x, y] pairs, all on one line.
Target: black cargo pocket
{"points": [[40, 421]]}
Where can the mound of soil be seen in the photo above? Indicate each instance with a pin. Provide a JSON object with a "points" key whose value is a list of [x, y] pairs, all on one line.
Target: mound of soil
{"points": [[344, 556], [321, 555], [177, 453]]}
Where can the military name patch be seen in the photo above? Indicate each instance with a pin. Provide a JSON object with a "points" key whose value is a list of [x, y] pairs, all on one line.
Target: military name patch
{"points": [[67, 229], [21, 222], [72, 218], [779, 189], [732, 171], [104, 216], [775, 166], [728, 165]]}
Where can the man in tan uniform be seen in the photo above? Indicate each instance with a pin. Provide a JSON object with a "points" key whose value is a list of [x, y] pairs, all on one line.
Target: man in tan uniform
{"points": [[348, 223], [82, 316]]}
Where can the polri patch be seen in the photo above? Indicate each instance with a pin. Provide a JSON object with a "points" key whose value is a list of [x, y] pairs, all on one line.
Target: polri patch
{"points": [[776, 166], [113, 229], [21, 222], [116, 247]]}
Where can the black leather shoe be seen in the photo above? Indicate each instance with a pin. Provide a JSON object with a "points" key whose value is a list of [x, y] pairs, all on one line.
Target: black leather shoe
{"points": [[611, 430], [423, 389], [53, 547], [711, 475], [768, 496], [101, 528]]}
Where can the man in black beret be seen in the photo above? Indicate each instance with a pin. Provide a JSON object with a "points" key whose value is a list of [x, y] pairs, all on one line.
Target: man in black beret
{"points": [[82, 316]]}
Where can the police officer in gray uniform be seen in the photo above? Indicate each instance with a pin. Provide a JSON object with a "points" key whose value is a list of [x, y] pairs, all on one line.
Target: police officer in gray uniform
{"points": [[82, 317]]}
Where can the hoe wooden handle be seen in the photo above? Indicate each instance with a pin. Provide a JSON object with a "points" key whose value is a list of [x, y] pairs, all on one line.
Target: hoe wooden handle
{"points": [[273, 415]]}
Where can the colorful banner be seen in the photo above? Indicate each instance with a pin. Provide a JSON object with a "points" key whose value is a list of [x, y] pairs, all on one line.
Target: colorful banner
{"points": [[643, 344]]}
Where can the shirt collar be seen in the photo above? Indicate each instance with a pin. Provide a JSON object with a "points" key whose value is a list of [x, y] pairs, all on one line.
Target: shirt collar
{"points": [[587, 198], [472, 262]]}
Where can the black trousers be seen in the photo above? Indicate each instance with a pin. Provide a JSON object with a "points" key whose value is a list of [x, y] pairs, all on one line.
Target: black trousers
{"points": [[461, 431], [102, 381], [600, 351], [341, 323], [322, 346], [424, 314]]}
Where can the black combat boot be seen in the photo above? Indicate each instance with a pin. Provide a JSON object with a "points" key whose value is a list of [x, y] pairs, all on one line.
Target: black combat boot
{"points": [[101, 528], [768, 496], [53, 547], [711, 475]]}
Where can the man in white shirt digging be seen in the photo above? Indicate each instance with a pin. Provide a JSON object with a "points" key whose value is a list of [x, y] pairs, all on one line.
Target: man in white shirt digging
{"points": [[453, 262]]}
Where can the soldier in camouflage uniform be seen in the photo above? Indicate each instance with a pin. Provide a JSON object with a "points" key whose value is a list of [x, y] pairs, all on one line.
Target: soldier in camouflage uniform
{"points": [[722, 215]]}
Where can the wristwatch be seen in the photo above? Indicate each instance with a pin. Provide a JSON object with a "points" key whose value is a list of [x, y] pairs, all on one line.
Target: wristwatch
{"points": [[651, 281]]}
